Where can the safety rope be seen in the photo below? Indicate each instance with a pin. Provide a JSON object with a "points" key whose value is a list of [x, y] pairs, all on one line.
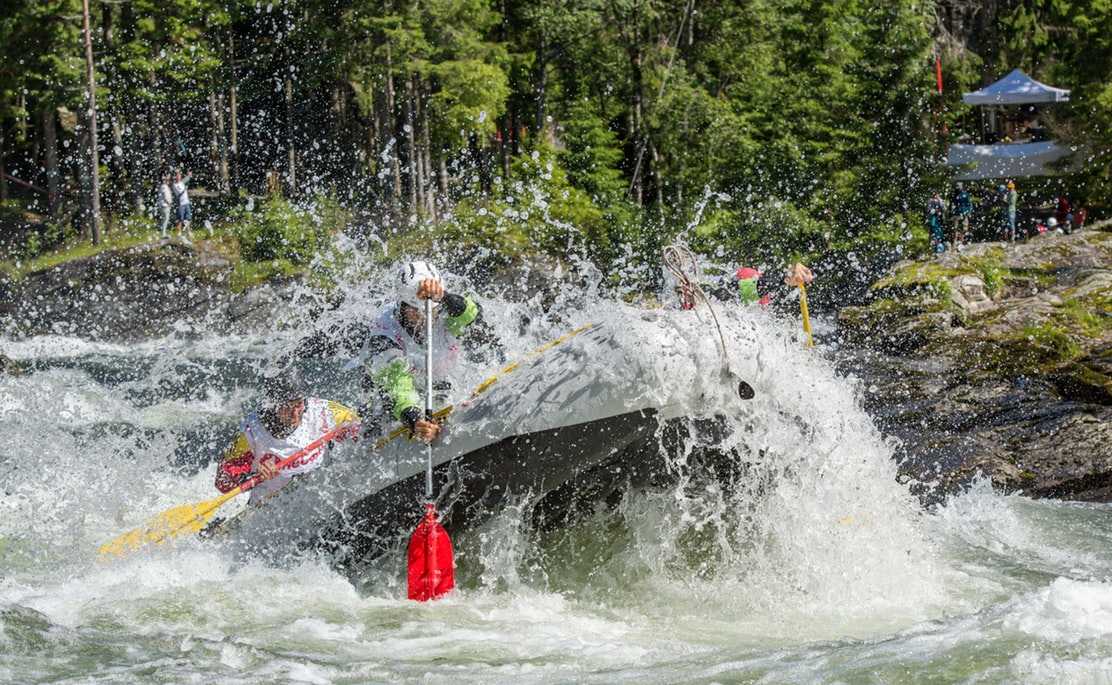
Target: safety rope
{"points": [[684, 267]]}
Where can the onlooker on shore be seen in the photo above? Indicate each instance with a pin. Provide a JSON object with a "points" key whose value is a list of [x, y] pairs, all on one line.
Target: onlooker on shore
{"points": [[1013, 201], [1077, 220], [164, 204], [1064, 208], [963, 212], [936, 210], [185, 208]]}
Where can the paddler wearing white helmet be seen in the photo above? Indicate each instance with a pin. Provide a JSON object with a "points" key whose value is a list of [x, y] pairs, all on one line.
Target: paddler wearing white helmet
{"points": [[394, 364]]}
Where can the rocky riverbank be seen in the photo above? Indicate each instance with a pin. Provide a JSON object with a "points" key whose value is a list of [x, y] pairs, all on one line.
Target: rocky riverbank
{"points": [[134, 293], [996, 360]]}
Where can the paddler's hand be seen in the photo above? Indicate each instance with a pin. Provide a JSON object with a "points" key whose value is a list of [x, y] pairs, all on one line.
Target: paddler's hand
{"points": [[798, 275], [430, 289], [267, 469], [426, 431]]}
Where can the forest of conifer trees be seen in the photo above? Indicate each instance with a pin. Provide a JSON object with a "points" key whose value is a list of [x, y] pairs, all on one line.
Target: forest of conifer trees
{"points": [[786, 126]]}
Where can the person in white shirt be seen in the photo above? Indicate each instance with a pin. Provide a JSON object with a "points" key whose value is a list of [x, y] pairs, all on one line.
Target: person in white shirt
{"points": [[164, 203], [185, 209]]}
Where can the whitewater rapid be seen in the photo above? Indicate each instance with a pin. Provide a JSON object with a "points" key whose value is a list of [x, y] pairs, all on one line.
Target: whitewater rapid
{"points": [[816, 566]]}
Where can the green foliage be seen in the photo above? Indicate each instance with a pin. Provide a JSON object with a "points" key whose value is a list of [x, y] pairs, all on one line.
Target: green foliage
{"points": [[592, 154], [471, 97], [279, 230], [794, 127]]}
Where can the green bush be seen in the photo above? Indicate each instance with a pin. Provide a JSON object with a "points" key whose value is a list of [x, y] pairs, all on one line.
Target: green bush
{"points": [[279, 230]]}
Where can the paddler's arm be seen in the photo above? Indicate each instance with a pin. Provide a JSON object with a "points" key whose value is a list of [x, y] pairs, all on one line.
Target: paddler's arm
{"points": [[235, 466], [389, 374], [465, 321]]}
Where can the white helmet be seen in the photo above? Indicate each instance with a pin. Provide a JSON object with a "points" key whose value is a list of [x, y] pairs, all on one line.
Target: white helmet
{"points": [[1051, 222], [410, 276]]}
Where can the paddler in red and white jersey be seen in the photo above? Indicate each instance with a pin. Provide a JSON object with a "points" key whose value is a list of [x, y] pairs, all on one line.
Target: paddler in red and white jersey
{"points": [[287, 423]]}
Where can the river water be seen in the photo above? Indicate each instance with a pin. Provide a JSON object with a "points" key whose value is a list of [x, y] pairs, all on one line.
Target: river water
{"points": [[819, 567]]}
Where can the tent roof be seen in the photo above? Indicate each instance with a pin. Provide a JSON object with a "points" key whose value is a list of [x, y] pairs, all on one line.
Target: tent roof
{"points": [[1017, 88]]}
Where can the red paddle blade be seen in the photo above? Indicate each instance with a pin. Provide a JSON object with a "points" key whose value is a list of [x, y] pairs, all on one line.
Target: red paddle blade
{"points": [[432, 571]]}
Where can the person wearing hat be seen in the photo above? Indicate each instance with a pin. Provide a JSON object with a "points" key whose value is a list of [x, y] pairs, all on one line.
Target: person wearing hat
{"points": [[394, 353], [286, 423], [747, 278]]}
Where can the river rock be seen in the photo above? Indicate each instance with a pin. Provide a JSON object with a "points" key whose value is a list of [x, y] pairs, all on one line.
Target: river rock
{"points": [[967, 292], [1016, 388], [10, 367], [127, 294]]}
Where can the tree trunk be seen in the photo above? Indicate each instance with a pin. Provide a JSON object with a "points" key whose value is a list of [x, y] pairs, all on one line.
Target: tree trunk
{"points": [[3, 168], [542, 87], [410, 144], [21, 119], [426, 157], [443, 178], [217, 156], [123, 167], [658, 183], [503, 148], [91, 116], [291, 169], [374, 133], [514, 133], [233, 113], [636, 186], [395, 165], [50, 160], [155, 132]]}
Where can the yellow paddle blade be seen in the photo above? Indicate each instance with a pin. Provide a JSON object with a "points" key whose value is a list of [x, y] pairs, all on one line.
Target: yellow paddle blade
{"points": [[188, 518]]}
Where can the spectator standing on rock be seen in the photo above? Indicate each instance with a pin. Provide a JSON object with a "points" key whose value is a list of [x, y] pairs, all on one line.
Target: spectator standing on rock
{"points": [[963, 212], [1013, 201], [185, 208], [936, 210], [164, 203], [1064, 209]]}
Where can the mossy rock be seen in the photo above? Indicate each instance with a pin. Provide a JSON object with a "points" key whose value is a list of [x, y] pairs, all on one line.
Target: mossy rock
{"points": [[914, 280], [896, 325], [1085, 383]]}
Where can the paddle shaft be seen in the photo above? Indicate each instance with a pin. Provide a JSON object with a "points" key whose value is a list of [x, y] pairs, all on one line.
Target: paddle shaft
{"points": [[806, 314], [428, 393], [283, 463]]}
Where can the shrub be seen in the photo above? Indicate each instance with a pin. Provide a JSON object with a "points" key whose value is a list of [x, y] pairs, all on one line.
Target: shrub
{"points": [[279, 230]]}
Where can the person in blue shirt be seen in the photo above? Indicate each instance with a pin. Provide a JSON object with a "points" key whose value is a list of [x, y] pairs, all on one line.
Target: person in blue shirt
{"points": [[963, 211]]}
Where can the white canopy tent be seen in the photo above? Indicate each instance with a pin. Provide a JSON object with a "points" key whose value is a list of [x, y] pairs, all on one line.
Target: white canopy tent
{"points": [[1013, 159], [1017, 88]]}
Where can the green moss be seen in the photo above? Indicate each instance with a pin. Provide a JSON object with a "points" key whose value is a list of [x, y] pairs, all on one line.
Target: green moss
{"points": [[77, 249], [1048, 345], [247, 275], [916, 274]]}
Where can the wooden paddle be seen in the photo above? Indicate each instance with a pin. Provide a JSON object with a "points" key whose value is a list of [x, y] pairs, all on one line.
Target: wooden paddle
{"points": [[191, 518]]}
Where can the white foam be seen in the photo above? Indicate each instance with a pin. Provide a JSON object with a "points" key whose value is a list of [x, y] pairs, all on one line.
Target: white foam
{"points": [[1033, 666], [1065, 611]]}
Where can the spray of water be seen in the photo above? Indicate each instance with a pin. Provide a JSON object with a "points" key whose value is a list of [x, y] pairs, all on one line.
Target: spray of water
{"points": [[773, 531]]}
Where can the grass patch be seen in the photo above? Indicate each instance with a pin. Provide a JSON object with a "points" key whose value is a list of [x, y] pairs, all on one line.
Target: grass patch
{"points": [[1088, 315], [247, 275], [78, 248]]}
